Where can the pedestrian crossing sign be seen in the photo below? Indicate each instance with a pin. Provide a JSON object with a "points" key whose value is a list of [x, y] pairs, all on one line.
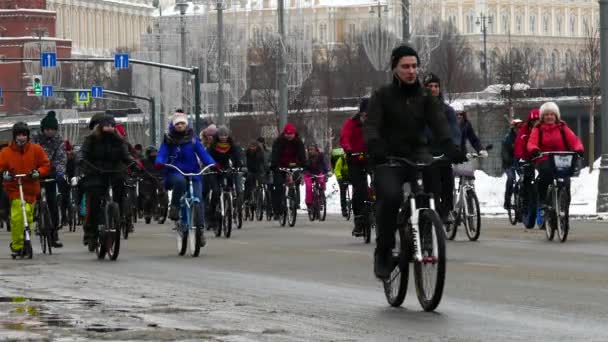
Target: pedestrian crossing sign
{"points": [[83, 97]]}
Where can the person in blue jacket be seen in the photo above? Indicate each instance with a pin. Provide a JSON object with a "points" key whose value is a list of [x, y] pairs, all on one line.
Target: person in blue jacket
{"points": [[181, 147]]}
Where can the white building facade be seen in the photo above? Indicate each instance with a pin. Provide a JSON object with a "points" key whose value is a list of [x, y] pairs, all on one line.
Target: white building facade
{"points": [[100, 27]]}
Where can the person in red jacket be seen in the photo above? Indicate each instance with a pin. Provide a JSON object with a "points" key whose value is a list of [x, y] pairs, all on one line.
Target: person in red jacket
{"points": [[550, 135], [520, 150], [351, 140]]}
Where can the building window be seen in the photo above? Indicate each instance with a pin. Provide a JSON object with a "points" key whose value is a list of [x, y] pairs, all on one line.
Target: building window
{"points": [[545, 24], [470, 23], [573, 25], [322, 32], [518, 24], [532, 24], [558, 25], [585, 23], [505, 23]]}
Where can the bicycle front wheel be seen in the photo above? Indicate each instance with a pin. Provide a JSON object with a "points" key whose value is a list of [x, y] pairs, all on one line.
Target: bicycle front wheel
{"points": [[45, 228], [551, 219], [395, 286], [227, 217], [322, 207], [562, 214], [512, 206], [112, 238], [430, 271], [473, 216], [194, 235]]}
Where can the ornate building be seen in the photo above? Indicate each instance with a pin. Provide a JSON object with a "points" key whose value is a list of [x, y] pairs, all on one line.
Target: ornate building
{"points": [[100, 27]]}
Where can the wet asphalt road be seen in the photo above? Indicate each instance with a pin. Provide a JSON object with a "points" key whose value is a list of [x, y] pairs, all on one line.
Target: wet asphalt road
{"points": [[312, 282]]}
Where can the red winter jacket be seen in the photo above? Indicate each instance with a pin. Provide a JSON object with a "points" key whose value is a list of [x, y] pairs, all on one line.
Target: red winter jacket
{"points": [[520, 147], [351, 137], [553, 139]]}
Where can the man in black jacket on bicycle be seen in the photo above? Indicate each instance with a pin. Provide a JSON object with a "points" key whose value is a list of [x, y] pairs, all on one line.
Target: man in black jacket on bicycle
{"points": [[399, 113]]}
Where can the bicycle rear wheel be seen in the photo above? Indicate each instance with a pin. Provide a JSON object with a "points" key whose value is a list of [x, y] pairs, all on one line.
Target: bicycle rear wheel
{"points": [[45, 227], [551, 221], [563, 214], [128, 213], [259, 204], [238, 213], [512, 206], [451, 229], [194, 235], [292, 209], [395, 286], [322, 207], [430, 271]]}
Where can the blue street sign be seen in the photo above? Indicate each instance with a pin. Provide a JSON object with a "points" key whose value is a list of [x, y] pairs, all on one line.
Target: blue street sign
{"points": [[48, 59], [97, 92], [121, 61], [47, 90]]}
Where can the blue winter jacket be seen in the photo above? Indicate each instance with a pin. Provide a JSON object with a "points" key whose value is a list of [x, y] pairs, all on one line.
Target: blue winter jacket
{"points": [[184, 151]]}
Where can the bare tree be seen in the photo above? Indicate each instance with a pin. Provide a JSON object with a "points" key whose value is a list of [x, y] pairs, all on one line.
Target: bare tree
{"points": [[588, 70], [451, 62]]}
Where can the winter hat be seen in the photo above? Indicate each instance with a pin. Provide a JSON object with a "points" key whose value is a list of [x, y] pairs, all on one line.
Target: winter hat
{"points": [[121, 130], [68, 146], [223, 130], [95, 120], [402, 51], [534, 114], [432, 78], [49, 121], [179, 117], [21, 128], [210, 130], [105, 120], [550, 107], [290, 129], [363, 105]]}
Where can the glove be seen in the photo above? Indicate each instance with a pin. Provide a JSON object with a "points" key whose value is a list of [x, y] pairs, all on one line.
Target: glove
{"points": [[74, 181], [7, 176], [483, 154], [35, 174], [158, 166], [536, 154], [581, 154], [59, 175], [469, 156]]}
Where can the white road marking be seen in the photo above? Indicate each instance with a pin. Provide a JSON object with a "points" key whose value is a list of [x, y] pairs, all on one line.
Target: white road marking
{"points": [[346, 251]]}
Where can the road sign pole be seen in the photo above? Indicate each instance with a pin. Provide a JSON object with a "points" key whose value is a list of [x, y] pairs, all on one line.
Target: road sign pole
{"points": [[197, 100], [152, 120]]}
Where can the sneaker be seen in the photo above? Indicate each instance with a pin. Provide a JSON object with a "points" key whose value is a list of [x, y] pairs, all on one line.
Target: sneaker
{"points": [[344, 213], [203, 240], [382, 264], [173, 213], [57, 244]]}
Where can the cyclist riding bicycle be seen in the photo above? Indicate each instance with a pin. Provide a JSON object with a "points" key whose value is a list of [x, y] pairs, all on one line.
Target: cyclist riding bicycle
{"points": [[256, 168], [183, 149], [52, 143], [444, 169], [467, 132], [551, 135], [226, 155], [521, 154], [351, 140], [398, 115], [287, 152], [208, 135], [150, 180], [103, 150], [22, 157], [315, 166], [340, 167], [507, 154]]}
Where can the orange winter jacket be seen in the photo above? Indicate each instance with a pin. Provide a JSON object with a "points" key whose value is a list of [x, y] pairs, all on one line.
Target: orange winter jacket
{"points": [[23, 160]]}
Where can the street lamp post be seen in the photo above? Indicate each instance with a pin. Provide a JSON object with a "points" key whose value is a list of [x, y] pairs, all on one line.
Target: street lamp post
{"points": [[405, 21], [220, 61], [602, 194], [379, 6], [282, 68], [481, 20], [182, 5]]}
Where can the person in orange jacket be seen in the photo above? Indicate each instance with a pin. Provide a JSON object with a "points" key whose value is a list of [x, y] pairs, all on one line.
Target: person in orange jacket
{"points": [[22, 157]]}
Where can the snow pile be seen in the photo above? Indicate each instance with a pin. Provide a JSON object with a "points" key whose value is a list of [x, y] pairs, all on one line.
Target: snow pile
{"points": [[497, 88], [491, 191]]}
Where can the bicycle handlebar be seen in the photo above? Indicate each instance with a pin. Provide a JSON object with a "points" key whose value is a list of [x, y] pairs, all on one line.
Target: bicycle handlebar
{"points": [[291, 170], [189, 174], [551, 153], [108, 171], [414, 164]]}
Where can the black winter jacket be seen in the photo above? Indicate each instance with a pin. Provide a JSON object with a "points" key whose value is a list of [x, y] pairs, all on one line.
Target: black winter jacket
{"points": [[397, 118], [223, 159], [106, 152]]}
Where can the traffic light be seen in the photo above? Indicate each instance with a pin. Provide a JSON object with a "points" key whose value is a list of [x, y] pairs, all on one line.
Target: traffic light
{"points": [[37, 84]]}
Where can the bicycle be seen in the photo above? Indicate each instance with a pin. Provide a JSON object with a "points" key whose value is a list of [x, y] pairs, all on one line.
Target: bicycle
{"points": [[189, 234], [371, 214], [109, 228], [348, 203], [237, 204], [27, 252], [466, 205], [515, 207], [290, 209], [318, 209], [44, 222], [558, 195], [419, 239], [225, 204], [129, 207], [72, 212]]}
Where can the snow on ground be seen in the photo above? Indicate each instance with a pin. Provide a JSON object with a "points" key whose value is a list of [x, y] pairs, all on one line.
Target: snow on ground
{"points": [[490, 191]]}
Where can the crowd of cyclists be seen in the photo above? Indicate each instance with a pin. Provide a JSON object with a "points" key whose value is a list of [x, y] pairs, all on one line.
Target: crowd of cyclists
{"points": [[407, 118]]}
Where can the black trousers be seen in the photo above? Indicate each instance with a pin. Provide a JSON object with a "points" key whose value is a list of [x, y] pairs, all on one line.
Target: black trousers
{"points": [[444, 190], [343, 186], [51, 199], [389, 182], [278, 190], [357, 173], [545, 178], [94, 196]]}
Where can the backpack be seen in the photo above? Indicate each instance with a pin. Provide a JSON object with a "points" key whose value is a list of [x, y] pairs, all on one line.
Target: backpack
{"points": [[561, 131]]}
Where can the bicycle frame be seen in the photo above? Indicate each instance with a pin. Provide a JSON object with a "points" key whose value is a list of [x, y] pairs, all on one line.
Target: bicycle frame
{"points": [[188, 199], [26, 226]]}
